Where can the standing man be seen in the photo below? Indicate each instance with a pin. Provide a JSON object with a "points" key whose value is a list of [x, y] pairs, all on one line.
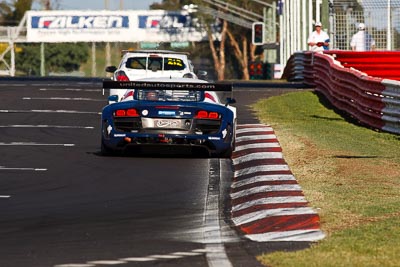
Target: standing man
{"points": [[318, 39], [362, 40]]}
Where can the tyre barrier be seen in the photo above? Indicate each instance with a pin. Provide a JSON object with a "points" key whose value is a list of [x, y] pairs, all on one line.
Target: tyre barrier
{"points": [[373, 101], [294, 70]]}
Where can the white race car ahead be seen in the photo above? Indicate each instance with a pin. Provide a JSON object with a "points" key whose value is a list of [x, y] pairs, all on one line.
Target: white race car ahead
{"points": [[139, 64]]}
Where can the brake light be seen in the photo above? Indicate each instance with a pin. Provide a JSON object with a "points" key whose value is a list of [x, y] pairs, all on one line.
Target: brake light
{"points": [[203, 114], [213, 115], [121, 76], [120, 113], [126, 113], [167, 107], [132, 112]]}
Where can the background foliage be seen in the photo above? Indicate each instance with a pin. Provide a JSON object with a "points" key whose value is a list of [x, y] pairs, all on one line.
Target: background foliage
{"points": [[64, 57]]}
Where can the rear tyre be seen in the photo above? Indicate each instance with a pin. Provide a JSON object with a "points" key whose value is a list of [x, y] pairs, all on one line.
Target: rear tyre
{"points": [[105, 151], [228, 152]]}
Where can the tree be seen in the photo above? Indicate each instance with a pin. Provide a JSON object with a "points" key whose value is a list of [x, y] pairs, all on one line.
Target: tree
{"points": [[5, 13], [63, 57], [233, 43], [170, 4], [218, 55], [20, 7], [239, 37], [11, 14]]}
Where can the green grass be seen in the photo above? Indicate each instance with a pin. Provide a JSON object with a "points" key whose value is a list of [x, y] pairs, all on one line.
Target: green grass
{"points": [[349, 173]]}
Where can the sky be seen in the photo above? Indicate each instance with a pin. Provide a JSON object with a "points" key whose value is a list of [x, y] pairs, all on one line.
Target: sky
{"points": [[101, 4]]}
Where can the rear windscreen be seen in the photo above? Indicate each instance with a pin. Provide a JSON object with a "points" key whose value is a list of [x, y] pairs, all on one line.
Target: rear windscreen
{"points": [[155, 63], [169, 95]]}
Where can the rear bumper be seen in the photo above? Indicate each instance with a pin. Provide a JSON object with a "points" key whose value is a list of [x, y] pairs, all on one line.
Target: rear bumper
{"points": [[185, 143]]}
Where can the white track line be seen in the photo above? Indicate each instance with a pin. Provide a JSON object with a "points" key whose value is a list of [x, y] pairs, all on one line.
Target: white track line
{"points": [[32, 144], [216, 254], [47, 111], [45, 126], [70, 89], [64, 98], [22, 169]]}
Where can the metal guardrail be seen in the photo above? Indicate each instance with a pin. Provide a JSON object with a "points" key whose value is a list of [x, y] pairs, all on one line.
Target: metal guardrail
{"points": [[15, 34]]}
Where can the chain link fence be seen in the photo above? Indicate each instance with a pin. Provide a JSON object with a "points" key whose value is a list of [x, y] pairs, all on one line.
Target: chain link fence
{"points": [[376, 24]]}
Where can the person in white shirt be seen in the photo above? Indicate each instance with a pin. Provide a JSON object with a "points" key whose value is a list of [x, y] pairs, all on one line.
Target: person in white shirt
{"points": [[362, 40], [318, 39]]}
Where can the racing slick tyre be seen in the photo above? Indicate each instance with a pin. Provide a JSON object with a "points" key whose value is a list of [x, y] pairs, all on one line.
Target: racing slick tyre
{"points": [[105, 151], [228, 152]]}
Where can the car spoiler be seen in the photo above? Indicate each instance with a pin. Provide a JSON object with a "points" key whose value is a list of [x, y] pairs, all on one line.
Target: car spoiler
{"points": [[123, 52], [107, 84]]}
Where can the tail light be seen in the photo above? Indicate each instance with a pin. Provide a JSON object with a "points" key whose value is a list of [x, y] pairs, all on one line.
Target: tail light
{"points": [[203, 114], [121, 76], [126, 113]]}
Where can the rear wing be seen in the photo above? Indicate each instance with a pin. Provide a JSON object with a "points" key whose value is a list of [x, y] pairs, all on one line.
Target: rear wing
{"points": [[217, 87], [123, 52]]}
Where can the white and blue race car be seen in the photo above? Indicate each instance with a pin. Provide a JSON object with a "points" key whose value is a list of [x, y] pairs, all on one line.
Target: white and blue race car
{"points": [[179, 113]]}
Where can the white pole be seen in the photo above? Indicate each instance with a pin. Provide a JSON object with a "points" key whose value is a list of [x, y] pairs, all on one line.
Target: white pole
{"points": [[389, 28], [287, 29], [292, 28], [304, 25], [94, 59], [281, 40], [310, 15], [42, 60], [297, 26]]}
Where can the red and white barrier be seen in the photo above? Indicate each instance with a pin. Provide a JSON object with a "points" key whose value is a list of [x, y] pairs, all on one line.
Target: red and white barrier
{"points": [[372, 100], [267, 202]]}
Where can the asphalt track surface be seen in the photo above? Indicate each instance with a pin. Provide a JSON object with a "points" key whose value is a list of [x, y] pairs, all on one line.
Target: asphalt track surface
{"points": [[62, 204]]}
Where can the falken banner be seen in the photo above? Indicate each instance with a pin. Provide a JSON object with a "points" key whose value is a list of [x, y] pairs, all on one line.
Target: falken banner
{"points": [[58, 26]]}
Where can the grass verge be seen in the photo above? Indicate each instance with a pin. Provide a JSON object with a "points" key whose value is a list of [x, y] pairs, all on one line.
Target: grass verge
{"points": [[349, 174]]}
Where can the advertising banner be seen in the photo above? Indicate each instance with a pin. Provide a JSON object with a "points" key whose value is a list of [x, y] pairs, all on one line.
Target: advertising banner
{"points": [[112, 26]]}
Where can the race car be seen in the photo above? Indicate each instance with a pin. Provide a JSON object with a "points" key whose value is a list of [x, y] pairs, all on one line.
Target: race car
{"points": [[139, 64], [162, 114]]}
